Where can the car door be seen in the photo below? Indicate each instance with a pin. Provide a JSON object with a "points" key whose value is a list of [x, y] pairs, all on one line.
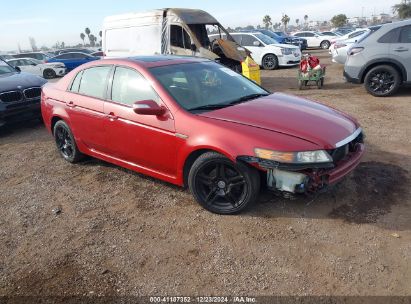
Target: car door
{"points": [[66, 59], [85, 106], [147, 141], [180, 41], [248, 40], [312, 40], [33, 67], [400, 48]]}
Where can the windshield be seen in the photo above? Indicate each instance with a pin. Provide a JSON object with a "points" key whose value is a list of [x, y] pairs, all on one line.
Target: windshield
{"points": [[265, 39], [36, 61], [5, 68], [205, 85]]}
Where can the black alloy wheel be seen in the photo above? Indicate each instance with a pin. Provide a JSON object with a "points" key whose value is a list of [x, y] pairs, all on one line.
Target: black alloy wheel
{"points": [[65, 142], [221, 186], [49, 74], [382, 81], [270, 62]]}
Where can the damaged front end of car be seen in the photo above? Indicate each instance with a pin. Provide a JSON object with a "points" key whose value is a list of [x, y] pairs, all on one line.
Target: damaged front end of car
{"points": [[308, 172]]}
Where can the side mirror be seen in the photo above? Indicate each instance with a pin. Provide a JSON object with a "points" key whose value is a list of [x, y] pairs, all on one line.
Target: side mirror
{"points": [[33, 64], [316, 36], [17, 69], [148, 107], [256, 43], [193, 47]]}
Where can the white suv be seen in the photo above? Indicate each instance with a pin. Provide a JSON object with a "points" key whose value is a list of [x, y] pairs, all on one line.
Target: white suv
{"points": [[266, 51], [315, 39]]}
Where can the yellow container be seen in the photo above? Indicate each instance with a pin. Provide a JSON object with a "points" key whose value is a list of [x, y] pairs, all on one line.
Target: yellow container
{"points": [[251, 70]]}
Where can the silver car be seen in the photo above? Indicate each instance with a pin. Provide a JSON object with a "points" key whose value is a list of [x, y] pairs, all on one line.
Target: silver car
{"points": [[381, 59]]}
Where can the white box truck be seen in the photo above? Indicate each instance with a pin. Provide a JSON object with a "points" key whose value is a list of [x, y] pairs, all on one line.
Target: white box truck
{"points": [[172, 31]]}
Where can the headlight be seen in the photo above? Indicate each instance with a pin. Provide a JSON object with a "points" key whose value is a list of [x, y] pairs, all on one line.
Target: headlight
{"points": [[307, 157], [286, 51]]}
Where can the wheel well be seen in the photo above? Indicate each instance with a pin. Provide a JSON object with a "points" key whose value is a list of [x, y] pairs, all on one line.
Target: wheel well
{"points": [[54, 120], [325, 41], [395, 66], [270, 54]]}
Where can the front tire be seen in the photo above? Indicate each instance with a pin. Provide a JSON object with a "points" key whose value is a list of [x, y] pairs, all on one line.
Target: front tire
{"points": [[221, 186], [325, 44], [65, 142], [270, 62], [382, 81]]}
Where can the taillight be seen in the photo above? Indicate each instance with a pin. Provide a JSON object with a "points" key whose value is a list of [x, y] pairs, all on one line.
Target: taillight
{"points": [[355, 50], [338, 46]]}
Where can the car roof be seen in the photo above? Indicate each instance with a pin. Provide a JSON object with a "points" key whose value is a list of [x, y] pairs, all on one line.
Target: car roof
{"points": [[151, 61]]}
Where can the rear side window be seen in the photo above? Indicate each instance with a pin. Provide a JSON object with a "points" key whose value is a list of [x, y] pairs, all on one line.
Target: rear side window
{"points": [[94, 81], [76, 83], [390, 37], [405, 34], [130, 86]]}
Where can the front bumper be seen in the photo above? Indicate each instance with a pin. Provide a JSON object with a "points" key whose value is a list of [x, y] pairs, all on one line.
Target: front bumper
{"points": [[19, 111], [318, 176], [60, 71], [290, 60]]}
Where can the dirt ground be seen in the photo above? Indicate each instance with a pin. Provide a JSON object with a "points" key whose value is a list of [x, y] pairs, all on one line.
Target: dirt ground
{"points": [[120, 233]]}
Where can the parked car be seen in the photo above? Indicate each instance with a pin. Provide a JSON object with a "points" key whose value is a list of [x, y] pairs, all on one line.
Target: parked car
{"points": [[152, 32], [72, 60], [19, 94], [6, 57], [315, 39], [332, 34], [37, 67], [344, 30], [340, 47], [265, 51], [193, 122], [75, 50], [98, 54], [36, 55], [381, 59], [284, 39]]}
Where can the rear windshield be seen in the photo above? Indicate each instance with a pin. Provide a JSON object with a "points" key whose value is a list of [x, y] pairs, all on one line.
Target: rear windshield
{"points": [[372, 30]]}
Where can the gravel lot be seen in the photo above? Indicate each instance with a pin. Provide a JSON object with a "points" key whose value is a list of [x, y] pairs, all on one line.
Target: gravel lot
{"points": [[120, 233]]}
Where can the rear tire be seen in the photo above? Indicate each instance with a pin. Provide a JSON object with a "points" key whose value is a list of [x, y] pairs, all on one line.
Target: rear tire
{"points": [[382, 81], [221, 186], [66, 143]]}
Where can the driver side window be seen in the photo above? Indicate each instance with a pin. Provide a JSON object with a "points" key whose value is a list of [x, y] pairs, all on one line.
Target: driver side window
{"points": [[248, 40]]}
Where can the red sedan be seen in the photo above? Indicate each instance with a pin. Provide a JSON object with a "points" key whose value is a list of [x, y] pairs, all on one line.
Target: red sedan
{"points": [[195, 123]]}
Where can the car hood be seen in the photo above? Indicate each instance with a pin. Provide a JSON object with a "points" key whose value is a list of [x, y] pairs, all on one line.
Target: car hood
{"points": [[13, 81], [291, 115]]}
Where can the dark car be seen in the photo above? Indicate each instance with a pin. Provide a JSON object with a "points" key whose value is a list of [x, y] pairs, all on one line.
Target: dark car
{"points": [[19, 94], [298, 41], [73, 60], [77, 50]]}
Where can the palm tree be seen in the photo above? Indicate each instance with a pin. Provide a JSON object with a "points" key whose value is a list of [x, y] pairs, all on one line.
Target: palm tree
{"points": [[101, 35], [87, 31], [305, 20], [403, 9], [82, 36], [267, 21], [285, 19], [297, 21]]}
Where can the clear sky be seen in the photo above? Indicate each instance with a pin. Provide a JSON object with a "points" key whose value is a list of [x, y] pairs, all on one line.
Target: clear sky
{"points": [[49, 21]]}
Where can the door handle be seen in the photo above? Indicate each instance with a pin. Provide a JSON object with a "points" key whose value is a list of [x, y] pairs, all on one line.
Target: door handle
{"points": [[401, 49], [70, 104], [111, 116]]}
